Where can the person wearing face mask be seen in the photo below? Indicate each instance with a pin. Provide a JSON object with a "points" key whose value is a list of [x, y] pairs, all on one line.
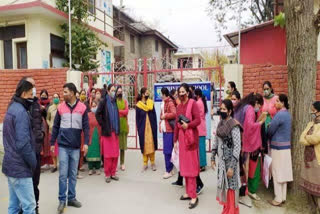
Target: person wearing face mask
{"points": [[92, 97], [44, 102], [166, 126], [174, 94], [70, 121], [235, 98], [186, 132], [279, 132], [310, 169], [227, 146], [94, 155], [107, 116], [124, 127], [146, 120], [20, 162], [202, 128], [231, 88], [98, 96], [250, 118], [52, 111]]}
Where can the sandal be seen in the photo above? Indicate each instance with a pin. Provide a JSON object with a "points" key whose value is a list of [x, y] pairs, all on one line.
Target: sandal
{"points": [[274, 203]]}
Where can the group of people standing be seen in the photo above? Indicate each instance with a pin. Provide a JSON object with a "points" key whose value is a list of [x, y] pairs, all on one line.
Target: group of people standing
{"points": [[38, 131]]}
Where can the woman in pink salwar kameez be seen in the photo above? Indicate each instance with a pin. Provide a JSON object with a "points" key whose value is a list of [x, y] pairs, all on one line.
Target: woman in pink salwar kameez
{"points": [[186, 132]]}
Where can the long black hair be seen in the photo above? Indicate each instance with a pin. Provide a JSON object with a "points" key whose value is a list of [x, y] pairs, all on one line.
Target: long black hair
{"points": [[250, 99], [316, 105], [198, 92], [269, 84], [284, 99], [143, 90], [110, 86], [186, 87], [166, 92], [233, 85], [229, 105]]}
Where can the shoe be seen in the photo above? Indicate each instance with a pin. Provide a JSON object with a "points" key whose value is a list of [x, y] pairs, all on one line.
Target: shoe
{"points": [[246, 201], [61, 207], [182, 198], [116, 178], [202, 169], [82, 169], [144, 168], [167, 175], [98, 172], [108, 180], [177, 184], [199, 189], [153, 167], [194, 205], [79, 176], [54, 170], [74, 203], [254, 196], [122, 167], [274, 203], [90, 172]]}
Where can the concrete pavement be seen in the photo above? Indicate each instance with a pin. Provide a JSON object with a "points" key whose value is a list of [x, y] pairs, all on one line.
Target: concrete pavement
{"points": [[135, 193]]}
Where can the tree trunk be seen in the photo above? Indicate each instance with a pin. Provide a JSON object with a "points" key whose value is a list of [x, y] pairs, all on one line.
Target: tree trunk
{"points": [[302, 35]]}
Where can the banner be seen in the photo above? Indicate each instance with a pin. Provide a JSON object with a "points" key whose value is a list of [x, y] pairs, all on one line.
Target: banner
{"points": [[206, 91]]}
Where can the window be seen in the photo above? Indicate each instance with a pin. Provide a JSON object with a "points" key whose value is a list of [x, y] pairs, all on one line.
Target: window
{"points": [[92, 6], [8, 62], [157, 45], [57, 59], [22, 55], [200, 63], [132, 44], [186, 62]]}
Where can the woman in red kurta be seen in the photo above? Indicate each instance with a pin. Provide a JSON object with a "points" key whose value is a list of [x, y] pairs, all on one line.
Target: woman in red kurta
{"points": [[187, 135]]}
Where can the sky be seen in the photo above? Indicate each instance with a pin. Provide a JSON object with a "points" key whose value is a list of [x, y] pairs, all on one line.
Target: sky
{"points": [[186, 22]]}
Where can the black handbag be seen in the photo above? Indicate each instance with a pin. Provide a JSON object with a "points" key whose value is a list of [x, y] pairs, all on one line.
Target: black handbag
{"points": [[172, 123], [183, 118]]}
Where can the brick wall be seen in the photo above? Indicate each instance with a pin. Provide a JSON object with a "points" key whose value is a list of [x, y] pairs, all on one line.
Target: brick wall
{"points": [[50, 79], [255, 75]]}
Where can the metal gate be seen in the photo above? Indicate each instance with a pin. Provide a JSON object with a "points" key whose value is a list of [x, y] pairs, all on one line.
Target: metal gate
{"points": [[135, 74]]}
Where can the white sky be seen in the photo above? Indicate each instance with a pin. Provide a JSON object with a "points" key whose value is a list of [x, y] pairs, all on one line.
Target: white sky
{"points": [[185, 21]]}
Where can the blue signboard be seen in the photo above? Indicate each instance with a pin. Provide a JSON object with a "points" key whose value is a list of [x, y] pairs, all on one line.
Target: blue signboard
{"points": [[206, 91]]}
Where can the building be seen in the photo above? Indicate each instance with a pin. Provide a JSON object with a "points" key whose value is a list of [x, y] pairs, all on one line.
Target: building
{"points": [[30, 35], [140, 41]]}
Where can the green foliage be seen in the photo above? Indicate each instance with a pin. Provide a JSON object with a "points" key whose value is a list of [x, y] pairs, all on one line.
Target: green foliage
{"points": [[280, 20], [226, 12], [79, 9], [85, 43]]}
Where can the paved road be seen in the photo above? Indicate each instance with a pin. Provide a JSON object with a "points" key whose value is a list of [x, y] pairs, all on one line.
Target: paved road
{"points": [[135, 193]]}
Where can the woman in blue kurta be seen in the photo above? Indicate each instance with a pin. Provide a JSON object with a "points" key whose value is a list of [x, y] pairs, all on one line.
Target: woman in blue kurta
{"points": [[146, 120]]}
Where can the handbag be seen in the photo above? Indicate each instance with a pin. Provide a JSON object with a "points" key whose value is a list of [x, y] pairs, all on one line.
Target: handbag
{"points": [[183, 118], [172, 123]]}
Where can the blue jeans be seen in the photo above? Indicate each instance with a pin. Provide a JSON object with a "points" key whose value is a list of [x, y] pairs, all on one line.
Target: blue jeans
{"points": [[21, 196], [68, 168]]}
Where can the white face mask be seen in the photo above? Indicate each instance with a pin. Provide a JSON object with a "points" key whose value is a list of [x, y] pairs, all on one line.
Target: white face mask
{"points": [[34, 92], [94, 110], [256, 110]]}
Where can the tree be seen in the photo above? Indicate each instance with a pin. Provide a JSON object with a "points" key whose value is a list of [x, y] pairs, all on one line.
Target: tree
{"points": [[85, 43], [302, 33], [223, 12], [215, 59]]}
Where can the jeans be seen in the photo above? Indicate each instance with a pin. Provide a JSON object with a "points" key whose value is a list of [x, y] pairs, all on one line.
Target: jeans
{"points": [[68, 168], [36, 179], [21, 196]]}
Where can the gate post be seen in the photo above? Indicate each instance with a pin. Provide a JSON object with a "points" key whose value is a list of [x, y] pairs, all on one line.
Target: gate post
{"points": [[145, 72]]}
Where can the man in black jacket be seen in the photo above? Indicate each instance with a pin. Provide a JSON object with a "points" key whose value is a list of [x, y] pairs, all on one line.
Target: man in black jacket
{"points": [[38, 133]]}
